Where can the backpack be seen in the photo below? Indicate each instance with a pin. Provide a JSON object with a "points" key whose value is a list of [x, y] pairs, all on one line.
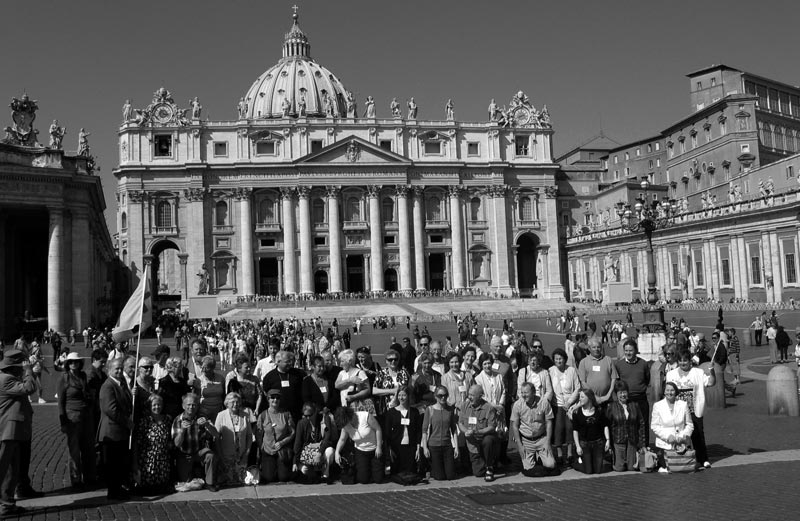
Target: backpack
{"points": [[406, 478]]}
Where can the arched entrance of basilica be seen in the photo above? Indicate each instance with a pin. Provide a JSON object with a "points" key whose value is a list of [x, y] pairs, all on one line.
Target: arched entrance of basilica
{"points": [[167, 277], [527, 245], [321, 282], [390, 279]]}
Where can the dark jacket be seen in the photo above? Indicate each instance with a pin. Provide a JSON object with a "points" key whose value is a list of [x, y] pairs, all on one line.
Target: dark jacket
{"points": [[630, 430], [16, 413], [393, 429], [302, 436], [116, 406]]}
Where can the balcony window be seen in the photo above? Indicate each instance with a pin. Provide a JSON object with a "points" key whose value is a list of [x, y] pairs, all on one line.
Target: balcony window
{"points": [[163, 146], [164, 214], [221, 213], [433, 148], [266, 148]]}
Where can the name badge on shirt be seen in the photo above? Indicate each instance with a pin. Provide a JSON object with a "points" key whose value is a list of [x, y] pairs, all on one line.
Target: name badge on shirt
{"points": [[495, 366], [284, 383], [462, 388], [596, 368], [473, 420], [323, 389], [405, 421]]}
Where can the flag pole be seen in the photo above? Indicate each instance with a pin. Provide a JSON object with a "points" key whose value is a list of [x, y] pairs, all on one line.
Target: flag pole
{"points": [[138, 342]]}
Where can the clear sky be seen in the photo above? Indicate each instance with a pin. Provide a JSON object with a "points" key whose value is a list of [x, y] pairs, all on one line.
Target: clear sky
{"points": [[619, 65]]}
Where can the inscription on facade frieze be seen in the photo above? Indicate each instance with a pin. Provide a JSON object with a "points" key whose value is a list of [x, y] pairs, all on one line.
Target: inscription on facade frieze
{"points": [[23, 187]]}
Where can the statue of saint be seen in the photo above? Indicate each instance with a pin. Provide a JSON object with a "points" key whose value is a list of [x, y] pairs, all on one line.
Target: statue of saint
{"points": [[412, 109], [448, 111], [285, 106], [83, 143], [544, 117], [329, 107], [395, 108], [241, 107], [56, 135], [351, 106], [301, 106], [127, 111], [202, 285], [492, 111], [196, 108], [370, 103]]}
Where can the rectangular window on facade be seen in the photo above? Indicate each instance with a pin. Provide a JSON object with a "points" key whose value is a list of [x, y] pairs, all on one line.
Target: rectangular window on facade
{"points": [[795, 101], [319, 241], [616, 160], [658, 147], [697, 255], [723, 128], [755, 264], [699, 85], [635, 276], [266, 148], [658, 162], [773, 100], [747, 186], [676, 272], [761, 92], [789, 171], [683, 147], [789, 262], [163, 146], [386, 144], [638, 151], [389, 239], [713, 81], [588, 280], [521, 146], [785, 103], [694, 141], [616, 175], [316, 145], [220, 149], [267, 243], [725, 264], [708, 135], [565, 219], [565, 205], [650, 164], [627, 156], [472, 149], [649, 148], [433, 148], [437, 238]]}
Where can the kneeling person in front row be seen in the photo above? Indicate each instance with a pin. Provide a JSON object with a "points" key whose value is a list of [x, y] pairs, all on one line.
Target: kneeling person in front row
{"points": [[194, 436], [478, 421], [531, 428]]}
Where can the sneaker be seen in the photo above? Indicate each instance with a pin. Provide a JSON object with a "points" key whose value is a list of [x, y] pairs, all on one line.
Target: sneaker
{"points": [[663, 470], [489, 476], [707, 465], [42, 400]]}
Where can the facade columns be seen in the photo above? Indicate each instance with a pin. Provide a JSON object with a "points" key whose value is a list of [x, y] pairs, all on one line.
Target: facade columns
{"points": [[745, 274], [335, 237], [419, 238], [735, 268], [183, 259], [246, 221], [448, 268], [715, 268], [375, 237], [514, 254], [552, 286], [367, 278], [197, 230], [777, 271], [766, 267], [306, 275], [404, 239], [55, 269], [289, 261], [3, 281], [82, 303], [500, 278], [281, 285], [457, 237]]}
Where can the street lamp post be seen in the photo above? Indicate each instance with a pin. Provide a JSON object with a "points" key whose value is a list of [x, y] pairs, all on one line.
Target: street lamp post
{"points": [[648, 216]]}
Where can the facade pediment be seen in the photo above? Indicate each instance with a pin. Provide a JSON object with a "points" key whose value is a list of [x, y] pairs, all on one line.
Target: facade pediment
{"points": [[353, 150]]}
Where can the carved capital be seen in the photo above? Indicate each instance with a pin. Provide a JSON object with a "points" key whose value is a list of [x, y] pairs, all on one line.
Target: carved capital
{"points": [[399, 131], [287, 193], [137, 196], [419, 190], [243, 193], [551, 192], [333, 191], [303, 130], [183, 258], [496, 190], [374, 190], [455, 190], [303, 192], [195, 194], [401, 190]]}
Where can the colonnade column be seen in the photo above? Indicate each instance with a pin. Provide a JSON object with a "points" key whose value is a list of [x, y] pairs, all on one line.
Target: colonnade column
{"points": [[777, 271], [3, 281], [306, 275], [500, 227], [82, 255], [743, 255], [419, 237], [183, 259], [554, 289], [197, 231], [281, 285], [367, 271], [335, 236], [289, 271], [246, 221], [55, 269], [457, 236], [375, 237], [735, 268], [404, 243]]}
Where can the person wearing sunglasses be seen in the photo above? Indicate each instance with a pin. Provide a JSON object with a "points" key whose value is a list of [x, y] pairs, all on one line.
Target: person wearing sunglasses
{"points": [[387, 382], [440, 436]]}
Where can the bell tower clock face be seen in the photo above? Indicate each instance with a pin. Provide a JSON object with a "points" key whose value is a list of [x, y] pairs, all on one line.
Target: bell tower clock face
{"points": [[163, 113], [522, 116]]}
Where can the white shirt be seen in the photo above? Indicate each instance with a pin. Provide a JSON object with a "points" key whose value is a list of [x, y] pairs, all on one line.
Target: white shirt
{"points": [[697, 380], [264, 366]]}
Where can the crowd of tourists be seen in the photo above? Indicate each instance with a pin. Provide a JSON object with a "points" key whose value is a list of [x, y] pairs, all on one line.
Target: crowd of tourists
{"points": [[234, 403]]}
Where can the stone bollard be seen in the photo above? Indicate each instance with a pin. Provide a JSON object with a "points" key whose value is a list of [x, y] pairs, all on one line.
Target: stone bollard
{"points": [[746, 338], [782, 391], [715, 395]]}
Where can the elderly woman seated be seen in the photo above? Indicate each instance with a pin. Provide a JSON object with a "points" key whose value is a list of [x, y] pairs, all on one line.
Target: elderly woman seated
{"points": [[478, 421]]}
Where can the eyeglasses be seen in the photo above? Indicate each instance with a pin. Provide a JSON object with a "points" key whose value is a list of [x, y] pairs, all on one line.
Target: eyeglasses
{"points": [[274, 397], [391, 359], [424, 343], [441, 396], [148, 367]]}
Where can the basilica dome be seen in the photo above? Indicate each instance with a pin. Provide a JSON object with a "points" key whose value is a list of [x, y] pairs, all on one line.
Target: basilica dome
{"points": [[296, 85]]}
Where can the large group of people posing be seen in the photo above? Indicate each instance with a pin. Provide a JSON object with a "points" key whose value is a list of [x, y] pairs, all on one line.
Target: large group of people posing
{"points": [[281, 400]]}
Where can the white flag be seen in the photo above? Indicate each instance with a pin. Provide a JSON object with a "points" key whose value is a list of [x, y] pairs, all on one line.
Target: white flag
{"points": [[137, 313]]}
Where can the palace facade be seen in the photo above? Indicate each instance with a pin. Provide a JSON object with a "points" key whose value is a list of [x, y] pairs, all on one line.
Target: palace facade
{"points": [[306, 191]]}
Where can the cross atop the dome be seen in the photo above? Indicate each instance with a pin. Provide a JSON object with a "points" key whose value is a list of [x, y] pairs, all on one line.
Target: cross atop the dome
{"points": [[295, 8]]}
